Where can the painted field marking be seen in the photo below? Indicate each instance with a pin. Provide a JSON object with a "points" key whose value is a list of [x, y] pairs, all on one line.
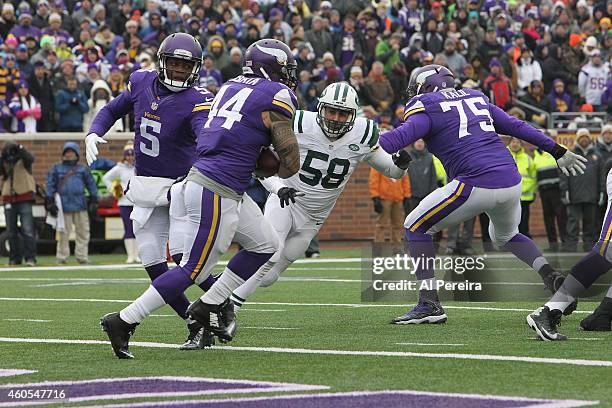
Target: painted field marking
{"points": [[350, 305], [361, 353], [28, 320], [239, 387], [7, 372], [269, 328], [532, 402], [262, 310], [431, 344]]}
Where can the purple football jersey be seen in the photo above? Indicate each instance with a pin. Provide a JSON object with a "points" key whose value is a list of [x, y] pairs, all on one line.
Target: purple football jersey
{"points": [[230, 141], [461, 128], [166, 123]]}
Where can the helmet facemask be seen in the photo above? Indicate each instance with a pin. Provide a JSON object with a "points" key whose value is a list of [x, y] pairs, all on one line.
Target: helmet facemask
{"points": [[335, 129], [289, 76], [175, 79]]}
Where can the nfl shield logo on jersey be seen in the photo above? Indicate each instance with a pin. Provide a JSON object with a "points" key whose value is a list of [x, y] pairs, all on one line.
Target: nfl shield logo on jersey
{"points": [[154, 105]]}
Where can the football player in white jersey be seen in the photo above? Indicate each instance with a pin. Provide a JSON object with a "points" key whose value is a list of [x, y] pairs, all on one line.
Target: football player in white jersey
{"points": [[333, 141]]}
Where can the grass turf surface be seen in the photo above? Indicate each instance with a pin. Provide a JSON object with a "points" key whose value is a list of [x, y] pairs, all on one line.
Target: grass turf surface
{"points": [[327, 326]]}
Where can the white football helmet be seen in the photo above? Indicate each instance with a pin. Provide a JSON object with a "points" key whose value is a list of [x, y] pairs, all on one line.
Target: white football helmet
{"points": [[342, 97]]}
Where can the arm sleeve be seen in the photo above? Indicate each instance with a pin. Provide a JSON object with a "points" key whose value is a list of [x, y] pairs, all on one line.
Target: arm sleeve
{"points": [[272, 184], [416, 127], [382, 161], [511, 126], [374, 183], [111, 112]]}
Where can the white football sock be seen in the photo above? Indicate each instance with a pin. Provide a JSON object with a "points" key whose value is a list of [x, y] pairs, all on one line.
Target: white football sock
{"points": [[538, 263], [242, 293], [142, 307], [223, 288], [609, 294], [566, 294]]}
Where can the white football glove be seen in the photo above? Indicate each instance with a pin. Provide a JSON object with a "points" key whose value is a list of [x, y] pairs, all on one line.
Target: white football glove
{"points": [[572, 163], [91, 148]]}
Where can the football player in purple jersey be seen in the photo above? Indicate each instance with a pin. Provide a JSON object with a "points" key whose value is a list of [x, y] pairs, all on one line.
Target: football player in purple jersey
{"points": [[461, 128], [168, 111], [248, 113], [597, 262]]}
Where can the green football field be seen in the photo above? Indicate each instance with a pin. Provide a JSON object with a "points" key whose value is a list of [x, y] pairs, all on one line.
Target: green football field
{"points": [[311, 333]]}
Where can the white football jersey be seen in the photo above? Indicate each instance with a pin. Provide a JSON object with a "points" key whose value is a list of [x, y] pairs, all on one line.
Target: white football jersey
{"points": [[326, 165]]}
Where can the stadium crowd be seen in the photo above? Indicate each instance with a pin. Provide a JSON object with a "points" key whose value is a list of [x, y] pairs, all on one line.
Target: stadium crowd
{"points": [[66, 59], [61, 61]]}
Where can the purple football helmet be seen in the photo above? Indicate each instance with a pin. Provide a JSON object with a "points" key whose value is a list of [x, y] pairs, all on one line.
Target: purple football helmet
{"points": [[273, 60], [430, 78], [184, 47]]}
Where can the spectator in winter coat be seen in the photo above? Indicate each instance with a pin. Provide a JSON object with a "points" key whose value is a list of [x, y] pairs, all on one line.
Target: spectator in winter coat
{"points": [[422, 174], [454, 60], [10, 77], [320, 39], [100, 95], [527, 169], [70, 179], [490, 48], [473, 33], [234, 68], [498, 86], [390, 198], [553, 68], [42, 89], [25, 28], [379, 87], [388, 53], [26, 110], [535, 97], [528, 70], [18, 189], [209, 73], [356, 80], [583, 194], [592, 80], [71, 104], [560, 100], [116, 181]]}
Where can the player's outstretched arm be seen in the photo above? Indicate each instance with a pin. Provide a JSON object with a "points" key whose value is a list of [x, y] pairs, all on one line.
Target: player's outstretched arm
{"points": [[284, 141], [416, 127], [383, 162], [108, 115], [568, 162]]}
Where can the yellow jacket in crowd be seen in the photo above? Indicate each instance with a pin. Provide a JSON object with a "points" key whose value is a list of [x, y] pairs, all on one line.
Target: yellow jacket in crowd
{"points": [[527, 170]]}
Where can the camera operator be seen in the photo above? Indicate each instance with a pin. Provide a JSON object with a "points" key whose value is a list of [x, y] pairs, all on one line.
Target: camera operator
{"points": [[18, 189]]}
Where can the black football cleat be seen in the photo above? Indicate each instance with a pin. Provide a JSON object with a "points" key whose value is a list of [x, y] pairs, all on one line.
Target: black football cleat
{"points": [[118, 333], [425, 311], [198, 338], [600, 319], [544, 322], [553, 281], [219, 319]]}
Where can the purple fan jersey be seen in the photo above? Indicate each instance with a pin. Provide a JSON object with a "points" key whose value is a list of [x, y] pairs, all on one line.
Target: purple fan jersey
{"points": [[230, 141], [166, 123], [461, 128]]}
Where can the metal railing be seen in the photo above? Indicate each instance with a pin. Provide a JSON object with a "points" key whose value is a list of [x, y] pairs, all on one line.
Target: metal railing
{"points": [[572, 121], [538, 111]]}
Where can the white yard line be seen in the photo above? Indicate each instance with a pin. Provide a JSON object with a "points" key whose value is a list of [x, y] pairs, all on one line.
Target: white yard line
{"points": [[431, 344], [269, 328], [353, 305], [28, 320], [12, 372], [361, 353]]}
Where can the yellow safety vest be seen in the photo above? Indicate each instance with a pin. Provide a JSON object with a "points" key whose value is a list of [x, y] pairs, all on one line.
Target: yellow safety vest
{"points": [[526, 168]]}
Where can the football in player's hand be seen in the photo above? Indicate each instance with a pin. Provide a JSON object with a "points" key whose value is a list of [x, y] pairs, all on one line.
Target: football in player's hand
{"points": [[267, 163]]}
